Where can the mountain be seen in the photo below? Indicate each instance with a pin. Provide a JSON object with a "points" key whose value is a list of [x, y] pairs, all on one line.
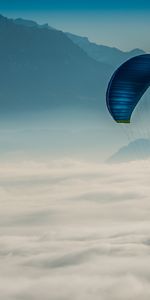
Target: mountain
{"points": [[100, 53], [42, 68], [136, 150], [30, 23], [112, 56]]}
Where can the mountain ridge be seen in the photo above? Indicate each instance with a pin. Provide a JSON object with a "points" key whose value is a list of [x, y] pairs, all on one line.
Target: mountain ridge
{"points": [[136, 150], [44, 69], [112, 55], [76, 38]]}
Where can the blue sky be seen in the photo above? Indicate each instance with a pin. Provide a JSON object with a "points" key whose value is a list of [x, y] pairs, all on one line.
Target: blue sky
{"points": [[75, 5], [122, 24]]}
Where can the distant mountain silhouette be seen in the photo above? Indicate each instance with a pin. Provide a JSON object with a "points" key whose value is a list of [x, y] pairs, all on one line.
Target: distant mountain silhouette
{"points": [[30, 23], [42, 68], [136, 150], [101, 53], [112, 56]]}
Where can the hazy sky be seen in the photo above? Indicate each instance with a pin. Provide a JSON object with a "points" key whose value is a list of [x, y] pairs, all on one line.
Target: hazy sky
{"points": [[115, 23]]}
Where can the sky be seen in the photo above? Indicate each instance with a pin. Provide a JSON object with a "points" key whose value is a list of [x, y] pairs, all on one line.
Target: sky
{"points": [[75, 5], [122, 24]]}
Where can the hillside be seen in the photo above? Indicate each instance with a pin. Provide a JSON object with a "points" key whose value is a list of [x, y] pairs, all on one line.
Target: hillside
{"points": [[101, 53], [42, 68], [136, 150]]}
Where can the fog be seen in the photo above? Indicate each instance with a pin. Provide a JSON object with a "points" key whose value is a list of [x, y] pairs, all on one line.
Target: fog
{"points": [[60, 133], [73, 229]]}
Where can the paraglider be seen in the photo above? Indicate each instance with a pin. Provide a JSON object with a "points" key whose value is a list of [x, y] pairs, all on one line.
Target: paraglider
{"points": [[127, 86]]}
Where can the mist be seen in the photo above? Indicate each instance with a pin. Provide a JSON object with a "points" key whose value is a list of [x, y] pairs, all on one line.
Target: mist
{"points": [[74, 229]]}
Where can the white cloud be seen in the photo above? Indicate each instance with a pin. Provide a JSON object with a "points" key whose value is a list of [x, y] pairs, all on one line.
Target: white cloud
{"points": [[74, 230]]}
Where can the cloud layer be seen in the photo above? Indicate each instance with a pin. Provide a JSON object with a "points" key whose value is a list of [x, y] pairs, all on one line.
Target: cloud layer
{"points": [[74, 230]]}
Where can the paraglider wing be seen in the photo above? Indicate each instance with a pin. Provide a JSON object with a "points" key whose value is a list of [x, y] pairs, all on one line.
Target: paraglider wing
{"points": [[126, 87]]}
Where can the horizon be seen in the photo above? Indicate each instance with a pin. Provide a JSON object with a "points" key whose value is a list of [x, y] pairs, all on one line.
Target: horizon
{"points": [[40, 21], [114, 24]]}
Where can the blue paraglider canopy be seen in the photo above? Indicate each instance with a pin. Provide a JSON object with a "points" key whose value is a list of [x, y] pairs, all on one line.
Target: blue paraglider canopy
{"points": [[127, 86]]}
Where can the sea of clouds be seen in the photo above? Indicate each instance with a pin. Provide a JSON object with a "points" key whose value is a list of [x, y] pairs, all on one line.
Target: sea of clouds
{"points": [[72, 230]]}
